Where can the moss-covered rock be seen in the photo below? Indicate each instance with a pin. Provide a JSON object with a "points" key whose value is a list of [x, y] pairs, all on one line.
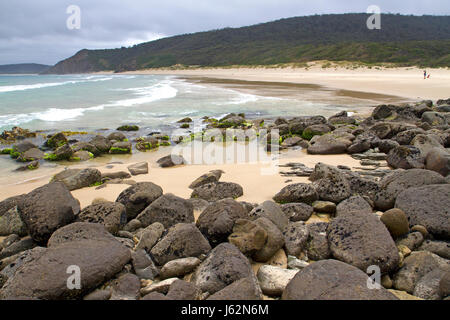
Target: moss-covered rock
{"points": [[128, 128], [56, 141]]}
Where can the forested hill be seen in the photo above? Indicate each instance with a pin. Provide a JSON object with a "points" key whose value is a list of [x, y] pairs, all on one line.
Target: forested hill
{"points": [[23, 68], [405, 40]]}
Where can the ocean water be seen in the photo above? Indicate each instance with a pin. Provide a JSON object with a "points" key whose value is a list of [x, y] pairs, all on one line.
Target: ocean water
{"points": [[93, 102]]}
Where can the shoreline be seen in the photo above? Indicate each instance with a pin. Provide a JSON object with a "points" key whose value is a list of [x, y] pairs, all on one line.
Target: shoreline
{"points": [[406, 83], [177, 179]]}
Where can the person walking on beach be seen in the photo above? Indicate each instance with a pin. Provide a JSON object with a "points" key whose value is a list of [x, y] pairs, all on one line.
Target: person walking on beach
{"points": [[424, 74]]}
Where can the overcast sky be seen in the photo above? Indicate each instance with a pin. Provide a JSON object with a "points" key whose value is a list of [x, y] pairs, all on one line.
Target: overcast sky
{"points": [[36, 31]]}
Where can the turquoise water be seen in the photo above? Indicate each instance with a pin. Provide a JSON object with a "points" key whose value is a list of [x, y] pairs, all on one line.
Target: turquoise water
{"points": [[92, 102]]}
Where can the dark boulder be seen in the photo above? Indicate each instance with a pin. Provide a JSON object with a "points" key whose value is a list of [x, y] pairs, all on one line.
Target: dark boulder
{"points": [[79, 179], [271, 211], [362, 241], [332, 280], [171, 161], [47, 209], [405, 157], [167, 210], [438, 160], [223, 266], [218, 191], [427, 206], [183, 240], [112, 215], [46, 277], [297, 211], [298, 192], [138, 197], [216, 222]]}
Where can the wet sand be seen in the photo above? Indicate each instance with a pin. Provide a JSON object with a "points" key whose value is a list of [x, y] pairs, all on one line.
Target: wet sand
{"points": [[405, 83], [258, 186]]}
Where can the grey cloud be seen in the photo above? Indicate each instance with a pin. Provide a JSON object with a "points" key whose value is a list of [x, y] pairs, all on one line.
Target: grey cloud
{"points": [[35, 31]]}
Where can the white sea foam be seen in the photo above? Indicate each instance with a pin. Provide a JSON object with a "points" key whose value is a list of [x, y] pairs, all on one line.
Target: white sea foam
{"points": [[159, 91], [49, 115], [162, 90], [23, 87]]}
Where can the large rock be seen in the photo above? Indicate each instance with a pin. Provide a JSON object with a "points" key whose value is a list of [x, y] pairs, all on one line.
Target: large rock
{"points": [[111, 214], [117, 136], [438, 160], [428, 287], [274, 242], [425, 143], [101, 144], [396, 222], [397, 182], [79, 179], [138, 168], [298, 192], [46, 276], [31, 155], [355, 204], [248, 236], [216, 222], [415, 267], [405, 137], [434, 118], [334, 187], [78, 231], [317, 246], [183, 240], [332, 280], [123, 147], [271, 211], [218, 191], [362, 241], [62, 153], [150, 236], [210, 177], [383, 111], [297, 211], [23, 146], [427, 206], [328, 144], [405, 157], [223, 266], [57, 140], [47, 209], [167, 210], [171, 161], [295, 238], [138, 197]]}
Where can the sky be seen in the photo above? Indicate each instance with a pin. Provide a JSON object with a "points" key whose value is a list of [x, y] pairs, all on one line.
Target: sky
{"points": [[36, 31]]}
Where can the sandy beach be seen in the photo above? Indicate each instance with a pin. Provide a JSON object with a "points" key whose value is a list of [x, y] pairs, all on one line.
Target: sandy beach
{"points": [[406, 83], [388, 85], [258, 187]]}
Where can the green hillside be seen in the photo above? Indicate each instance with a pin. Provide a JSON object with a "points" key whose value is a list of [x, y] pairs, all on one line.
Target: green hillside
{"points": [[403, 40]]}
